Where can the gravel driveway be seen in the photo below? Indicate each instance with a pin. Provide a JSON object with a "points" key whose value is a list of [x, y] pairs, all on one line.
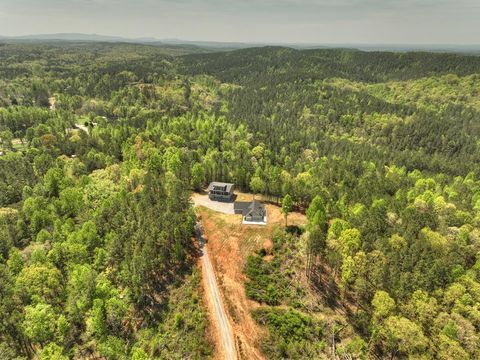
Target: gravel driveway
{"points": [[203, 200], [213, 291]]}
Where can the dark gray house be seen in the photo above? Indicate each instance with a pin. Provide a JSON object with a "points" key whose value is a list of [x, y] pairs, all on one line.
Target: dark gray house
{"points": [[219, 191], [252, 211]]}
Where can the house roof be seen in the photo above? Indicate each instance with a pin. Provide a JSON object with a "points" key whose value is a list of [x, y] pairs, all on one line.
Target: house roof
{"points": [[255, 208], [249, 208], [228, 187], [241, 205]]}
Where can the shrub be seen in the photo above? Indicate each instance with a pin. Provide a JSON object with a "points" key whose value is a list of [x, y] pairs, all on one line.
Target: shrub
{"points": [[293, 335]]}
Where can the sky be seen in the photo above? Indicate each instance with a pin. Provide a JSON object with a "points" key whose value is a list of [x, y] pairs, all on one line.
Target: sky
{"points": [[454, 22]]}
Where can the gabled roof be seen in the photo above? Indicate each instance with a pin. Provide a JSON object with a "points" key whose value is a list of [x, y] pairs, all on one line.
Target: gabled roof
{"points": [[241, 206], [254, 208], [220, 186]]}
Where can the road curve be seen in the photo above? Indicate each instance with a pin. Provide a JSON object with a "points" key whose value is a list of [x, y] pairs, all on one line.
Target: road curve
{"points": [[228, 342]]}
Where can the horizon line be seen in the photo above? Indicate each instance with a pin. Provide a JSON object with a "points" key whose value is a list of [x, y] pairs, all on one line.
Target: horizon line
{"points": [[148, 38]]}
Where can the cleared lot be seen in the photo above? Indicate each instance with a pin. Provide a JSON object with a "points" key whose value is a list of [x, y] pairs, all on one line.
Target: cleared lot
{"points": [[229, 244], [203, 200]]}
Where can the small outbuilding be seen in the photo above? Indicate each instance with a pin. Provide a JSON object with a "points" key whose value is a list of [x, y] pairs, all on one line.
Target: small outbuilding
{"points": [[253, 212], [219, 191]]}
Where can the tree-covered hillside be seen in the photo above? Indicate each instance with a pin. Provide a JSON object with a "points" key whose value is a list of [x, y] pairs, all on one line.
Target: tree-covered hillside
{"points": [[257, 64], [383, 150], [96, 251], [101, 145]]}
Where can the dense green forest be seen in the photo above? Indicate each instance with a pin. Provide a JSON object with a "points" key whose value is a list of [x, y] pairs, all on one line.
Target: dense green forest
{"points": [[101, 145], [96, 256]]}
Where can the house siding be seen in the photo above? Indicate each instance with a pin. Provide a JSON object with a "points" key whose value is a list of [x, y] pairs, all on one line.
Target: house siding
{"points": [[220, 191]]}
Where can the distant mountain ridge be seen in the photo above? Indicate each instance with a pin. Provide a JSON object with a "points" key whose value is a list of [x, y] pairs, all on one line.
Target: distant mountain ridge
{"points": [[109, 38], [220, 45], [69, 37]]}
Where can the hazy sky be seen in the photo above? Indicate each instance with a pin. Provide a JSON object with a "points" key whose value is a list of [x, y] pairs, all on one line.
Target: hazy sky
{"points": [[308, 21]]}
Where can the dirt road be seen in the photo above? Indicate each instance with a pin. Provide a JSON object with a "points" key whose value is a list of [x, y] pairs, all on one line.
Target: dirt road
{"points": [[221, 319]]}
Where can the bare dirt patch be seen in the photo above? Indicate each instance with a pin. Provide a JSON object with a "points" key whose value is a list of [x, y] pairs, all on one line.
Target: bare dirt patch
{"points": [[229, 243]]}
